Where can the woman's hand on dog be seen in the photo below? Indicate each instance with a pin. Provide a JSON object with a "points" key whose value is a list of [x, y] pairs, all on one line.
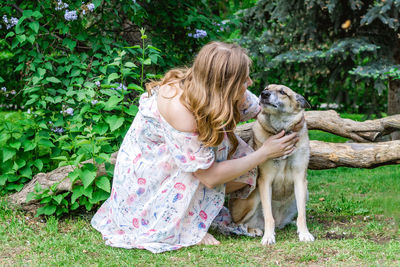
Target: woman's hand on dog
{"points": [[279, 145]]}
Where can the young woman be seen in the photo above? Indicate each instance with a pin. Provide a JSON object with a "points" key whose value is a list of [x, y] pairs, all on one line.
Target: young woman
{"points": [[181, 156]]}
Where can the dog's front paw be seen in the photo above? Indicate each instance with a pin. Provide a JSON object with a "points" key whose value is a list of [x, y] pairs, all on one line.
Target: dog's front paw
{"points": [[256, 231], [306, 237], [268, 239]]}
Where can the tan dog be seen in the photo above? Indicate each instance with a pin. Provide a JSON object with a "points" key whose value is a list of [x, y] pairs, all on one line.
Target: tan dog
{"points": [[282, 182]]}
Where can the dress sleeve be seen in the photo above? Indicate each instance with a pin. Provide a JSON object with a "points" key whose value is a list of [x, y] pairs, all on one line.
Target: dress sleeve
{"points": [[250, 107], [188, 153]]}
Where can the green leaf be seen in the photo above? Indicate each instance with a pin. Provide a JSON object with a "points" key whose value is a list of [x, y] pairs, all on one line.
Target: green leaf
{"points": [[39, 164], [3, 179], [74, 175], [103, 183], [53, 80], [96, 3], [115, 122], [76, 193], [112, 76], [15, 145], [69, 43], [132, 110], [74, 206], [37, 14], [28, 145], [100, 128], [46, 143], [147, 61], [34, 25], [8, 153], [30, 196], [87, 177], [60, 158], [99, 196], [112, 103], [58, 198], [26, 172], [130, 65], [135, 87], [46, 210], [21, 38], [10, 34], [88, 191]]}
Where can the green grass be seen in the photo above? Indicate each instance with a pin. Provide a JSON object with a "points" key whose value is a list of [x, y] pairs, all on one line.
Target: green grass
{"points": [[353, 213]]}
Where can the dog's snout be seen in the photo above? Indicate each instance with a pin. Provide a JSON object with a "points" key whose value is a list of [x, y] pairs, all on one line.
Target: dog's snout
{"points": [[265, 94]]}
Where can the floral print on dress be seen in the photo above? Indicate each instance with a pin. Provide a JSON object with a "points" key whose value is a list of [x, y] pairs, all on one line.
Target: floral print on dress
{"points": [[156, 202]]}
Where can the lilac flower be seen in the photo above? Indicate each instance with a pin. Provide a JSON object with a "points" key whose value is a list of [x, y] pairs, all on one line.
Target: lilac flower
{"points": [[97, 83], [61, 5], [90, 7], [94, 102], [70, 111], [10, 23], [70, 15], [58, 130], [29, 111], [13, 92], [199, 34], [120, 87], [3, 89]]}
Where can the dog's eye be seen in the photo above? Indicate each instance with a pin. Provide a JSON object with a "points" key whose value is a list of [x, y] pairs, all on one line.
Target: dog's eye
{"points": [[282, 92]]}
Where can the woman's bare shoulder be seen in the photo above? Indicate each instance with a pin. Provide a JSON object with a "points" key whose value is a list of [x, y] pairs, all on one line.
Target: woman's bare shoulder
{"points": [[173, 111]]}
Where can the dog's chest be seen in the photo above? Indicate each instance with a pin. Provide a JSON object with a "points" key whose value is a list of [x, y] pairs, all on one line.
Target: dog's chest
{"points": [[282, 182]]}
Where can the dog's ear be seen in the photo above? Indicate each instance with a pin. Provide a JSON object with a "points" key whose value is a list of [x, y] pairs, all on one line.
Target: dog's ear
{"points": [[302, 101]]}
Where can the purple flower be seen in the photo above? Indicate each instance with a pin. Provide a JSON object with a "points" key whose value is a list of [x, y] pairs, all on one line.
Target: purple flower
{"points": [[13, 92], [3, 89], [70, 111], [94, 102], [97, 83], [199, 34], [9, 23], [58, 130], [90, 7], [61, 5], [70, 15], [120, 87], [29, 111]]}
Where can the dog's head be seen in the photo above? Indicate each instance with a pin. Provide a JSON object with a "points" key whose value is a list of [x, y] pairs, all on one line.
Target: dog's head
{"points": [[279, 99]]}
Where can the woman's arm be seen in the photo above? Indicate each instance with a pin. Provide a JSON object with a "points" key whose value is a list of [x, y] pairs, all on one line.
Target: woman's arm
{"points": [[225, 171]]}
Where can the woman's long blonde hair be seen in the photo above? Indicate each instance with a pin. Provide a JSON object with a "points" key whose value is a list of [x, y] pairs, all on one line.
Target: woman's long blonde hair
{"points": [[213, 88]]}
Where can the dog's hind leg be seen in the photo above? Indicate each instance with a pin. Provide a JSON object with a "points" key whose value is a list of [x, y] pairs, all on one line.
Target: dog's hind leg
{"points": [[243, 209], [300, 189]]}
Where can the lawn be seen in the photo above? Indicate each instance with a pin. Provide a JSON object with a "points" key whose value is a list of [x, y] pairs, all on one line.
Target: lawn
{"points": [[353, 213]]}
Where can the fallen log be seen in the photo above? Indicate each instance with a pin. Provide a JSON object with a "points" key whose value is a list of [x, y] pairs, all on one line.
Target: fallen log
{"points": [[326, 155], [330, 121], [323, 155]]}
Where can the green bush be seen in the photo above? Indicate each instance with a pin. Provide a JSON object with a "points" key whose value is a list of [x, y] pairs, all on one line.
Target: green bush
{"points": [[80, 89]]}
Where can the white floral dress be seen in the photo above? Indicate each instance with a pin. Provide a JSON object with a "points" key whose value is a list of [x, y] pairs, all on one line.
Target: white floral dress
{"points": [[156, 202]]}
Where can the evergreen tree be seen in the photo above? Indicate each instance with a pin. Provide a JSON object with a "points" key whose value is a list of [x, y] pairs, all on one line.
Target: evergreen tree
{"points": [[353, 43]]}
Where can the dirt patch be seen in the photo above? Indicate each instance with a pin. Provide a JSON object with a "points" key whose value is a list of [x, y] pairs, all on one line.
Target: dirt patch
{"points": [[380, 239], [334, 236]]}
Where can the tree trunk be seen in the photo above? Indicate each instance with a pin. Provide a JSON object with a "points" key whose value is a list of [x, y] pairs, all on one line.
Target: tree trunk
{"points": [[323, 155]]}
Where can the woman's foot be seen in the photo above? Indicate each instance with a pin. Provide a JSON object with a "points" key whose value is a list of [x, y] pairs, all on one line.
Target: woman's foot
{"points": [[208, 239]]}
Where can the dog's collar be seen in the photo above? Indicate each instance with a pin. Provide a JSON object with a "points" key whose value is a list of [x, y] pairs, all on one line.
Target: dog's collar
{"points": [[268, 126]]}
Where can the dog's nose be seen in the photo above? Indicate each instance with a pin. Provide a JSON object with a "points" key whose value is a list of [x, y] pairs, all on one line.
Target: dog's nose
{"points": [[265, 94]]}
